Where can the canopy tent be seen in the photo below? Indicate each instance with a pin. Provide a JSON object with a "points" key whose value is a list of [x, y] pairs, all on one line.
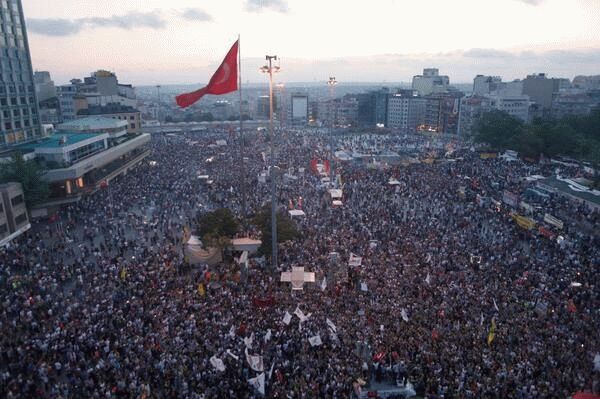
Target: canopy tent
{"points": [[335, 193], [194, 241], [393, 182], [296, 212], [337, 203], [245, 244], [221, 143]]}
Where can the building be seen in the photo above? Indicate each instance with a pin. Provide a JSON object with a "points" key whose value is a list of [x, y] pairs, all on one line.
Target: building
{"points": [[116, 111], [541, 89], [44, 86], [262, 108], [441, 112], [587, 82], [471, 109], [566, 103], [84, 153], [483, 85], [19, 112], [430, 82], [515, 105], [406, 111], [372, 107], [14, 219], [339, 111], [299, 114], [50, 111]]}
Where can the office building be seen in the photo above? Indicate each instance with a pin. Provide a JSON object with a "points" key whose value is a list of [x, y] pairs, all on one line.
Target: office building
{"points": [[299, 114], [471, 109], [515, 105], [406, 111], [541, 89], [44, 86], [372, 107], [131, 115], [14, 219], [83, 153], [19, 112], [441, 112], [430, 82]]}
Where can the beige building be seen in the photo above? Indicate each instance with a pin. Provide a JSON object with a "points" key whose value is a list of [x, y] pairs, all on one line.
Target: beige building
{"points": [[13, 213]]}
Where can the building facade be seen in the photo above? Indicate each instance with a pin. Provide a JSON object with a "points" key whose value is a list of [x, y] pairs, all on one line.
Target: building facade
{"points": [[19, 112], [406, 111], [541, 89], [299, 114], [131, 115], [471, 109], [14, 219], [430, 82]]}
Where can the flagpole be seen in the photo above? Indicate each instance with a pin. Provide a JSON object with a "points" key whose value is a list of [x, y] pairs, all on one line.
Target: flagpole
{"points": [[242, 169]]}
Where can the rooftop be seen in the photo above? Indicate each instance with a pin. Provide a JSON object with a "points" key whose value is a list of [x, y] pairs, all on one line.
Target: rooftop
{"points": [[56, 141], [92, 123], [113, 108]]}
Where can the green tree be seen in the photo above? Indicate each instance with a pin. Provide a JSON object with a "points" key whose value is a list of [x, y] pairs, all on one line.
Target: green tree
{"points": [[29, 174], [498, 129], [219, 223], [286, 229]]}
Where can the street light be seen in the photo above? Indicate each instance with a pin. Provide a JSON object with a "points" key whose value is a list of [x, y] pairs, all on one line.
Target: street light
{"points": [[331, 84], [270, 69]]}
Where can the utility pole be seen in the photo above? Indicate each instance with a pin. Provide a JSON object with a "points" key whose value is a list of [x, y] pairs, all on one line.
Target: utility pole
{"points": [[331, 83], [270, 69]]}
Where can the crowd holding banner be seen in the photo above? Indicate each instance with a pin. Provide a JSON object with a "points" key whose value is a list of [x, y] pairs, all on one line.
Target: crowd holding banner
{"points": [[444, 295]]}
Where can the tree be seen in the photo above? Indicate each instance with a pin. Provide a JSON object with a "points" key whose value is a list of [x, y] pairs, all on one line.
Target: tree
{"points": [[219, 223], [286, 229], [29, 174], [498, 129]]}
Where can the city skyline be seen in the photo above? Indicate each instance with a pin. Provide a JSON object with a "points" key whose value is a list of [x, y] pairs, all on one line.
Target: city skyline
{"points": [[389, 42]]}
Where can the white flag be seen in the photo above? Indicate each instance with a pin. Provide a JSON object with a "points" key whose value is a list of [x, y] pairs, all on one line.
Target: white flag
{"points": [[315, 341], [258, 383], [271, 370], [232, 355], [301, 314], [287, 318], [428, 279], [481, 321], [323, 284], [232, 332], [268, 335], [248, 341], [255, 361], [217, 363], [597, 362], [331, 325], [495, 306], [363, 287], [404, 315]]}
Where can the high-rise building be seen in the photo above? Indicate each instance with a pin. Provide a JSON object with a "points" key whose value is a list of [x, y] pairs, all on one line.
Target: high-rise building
{"points": [[430, 82], [13, 213], [441, 112], [485, 84], [471, 109], [541, 89], [19, 112], [44, 86], [299, 109], [372, 107], [406, 111]]}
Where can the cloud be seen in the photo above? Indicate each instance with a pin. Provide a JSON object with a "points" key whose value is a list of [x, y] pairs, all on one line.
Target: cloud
{"points": [[531, 2], [67, 27], [196, 14], [53, 26], [486, 53], [260, 5]]}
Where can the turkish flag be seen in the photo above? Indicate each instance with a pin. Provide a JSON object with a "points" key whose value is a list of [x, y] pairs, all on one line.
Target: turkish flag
{"points": [[224, 80]]}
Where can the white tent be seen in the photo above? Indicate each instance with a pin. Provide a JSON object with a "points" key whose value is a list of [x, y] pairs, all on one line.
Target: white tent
{"points": [[337, 203], [393, 182], [221, 143], [335, 193], [296, 212], [194, 240]]}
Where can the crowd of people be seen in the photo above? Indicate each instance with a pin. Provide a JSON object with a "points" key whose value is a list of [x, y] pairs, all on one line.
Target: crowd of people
{"points": [[451, 296]]}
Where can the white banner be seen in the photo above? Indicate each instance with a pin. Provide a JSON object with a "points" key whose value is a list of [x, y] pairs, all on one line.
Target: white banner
{"points": [[287, 318], [315, 341], [217, 363], [548, 218]]}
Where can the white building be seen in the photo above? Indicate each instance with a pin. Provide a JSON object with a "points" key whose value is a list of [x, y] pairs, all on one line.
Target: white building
{"points": [[430, 82], [406, 111], [515, 105]]}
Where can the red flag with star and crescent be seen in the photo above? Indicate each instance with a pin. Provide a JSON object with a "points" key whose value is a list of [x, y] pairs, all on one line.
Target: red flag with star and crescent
{"points": [[224, 80]]}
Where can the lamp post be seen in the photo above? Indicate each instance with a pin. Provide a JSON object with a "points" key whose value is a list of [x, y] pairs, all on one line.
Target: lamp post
{"points": [[270, 69], [331, 84]]}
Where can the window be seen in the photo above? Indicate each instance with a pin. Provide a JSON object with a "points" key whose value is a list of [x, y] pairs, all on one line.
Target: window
{"points": [[17, 200], [133, 125], [21, 218], [132, 118]]}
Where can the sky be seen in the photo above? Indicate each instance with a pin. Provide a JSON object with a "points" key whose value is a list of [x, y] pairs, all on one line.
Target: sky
{"points": [[149, 42]]}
